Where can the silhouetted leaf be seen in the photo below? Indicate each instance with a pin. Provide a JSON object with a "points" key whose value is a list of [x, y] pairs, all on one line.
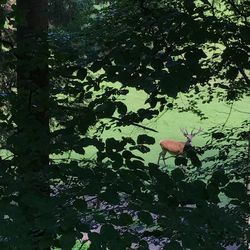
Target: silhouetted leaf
{"points": [[81, 73], [178, 174], [121, 108], [125, 219], [157, 64], [145, 139], [141, 148], [110, 196], [218, 135], [213, 192], [236, 190], [129, 238], [108, 233], [67, 240], [173, 245], [219, 177], [79, 150], [180, 161], [145, 217], [232, 73]]}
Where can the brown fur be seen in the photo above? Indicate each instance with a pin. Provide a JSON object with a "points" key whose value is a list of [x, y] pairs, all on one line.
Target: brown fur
{"points": [[173, 147]]}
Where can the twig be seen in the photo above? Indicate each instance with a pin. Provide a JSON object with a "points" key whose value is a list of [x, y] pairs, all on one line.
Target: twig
{"points": [[112, 118], [135, 124], [229, 114], [244, 75]]}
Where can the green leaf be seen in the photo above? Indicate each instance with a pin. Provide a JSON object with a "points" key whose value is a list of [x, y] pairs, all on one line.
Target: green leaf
{"points": [[142, 174], [108, 233], [110, 196], [213, 192], [106, 109], [145, 217], [79, 150], [195, 55], [199, 191], [236, 190], [142, 148], [232, 73], [189, 241], [97, 65], [220, 178], [80, 204], [121, 108], [180, 161], [145, 139], [173, 245], [125, 219], [128, 155], [192, 155], [218, 135], [111, 176], [157, 64], [143, 245], [178, 174], [68, 240], [129, 238], [81, 73], [244, 33], [112, 143]]}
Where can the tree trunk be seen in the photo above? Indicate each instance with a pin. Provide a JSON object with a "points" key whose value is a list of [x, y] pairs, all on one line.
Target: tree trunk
{"points": [[30, 112], [248, 182]]}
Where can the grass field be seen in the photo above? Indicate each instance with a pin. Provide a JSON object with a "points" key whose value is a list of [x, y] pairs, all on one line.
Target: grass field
{"points": [[168, 123]]}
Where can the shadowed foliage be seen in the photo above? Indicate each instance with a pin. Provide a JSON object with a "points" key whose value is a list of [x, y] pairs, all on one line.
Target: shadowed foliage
{"points": [[69, 86]]}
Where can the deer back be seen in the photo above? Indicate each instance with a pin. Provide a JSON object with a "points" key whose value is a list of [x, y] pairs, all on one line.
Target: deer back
{"points": [[173, 147]]}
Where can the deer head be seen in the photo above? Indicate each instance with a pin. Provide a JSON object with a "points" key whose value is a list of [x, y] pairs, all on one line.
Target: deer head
{"points": [[191, 135]]}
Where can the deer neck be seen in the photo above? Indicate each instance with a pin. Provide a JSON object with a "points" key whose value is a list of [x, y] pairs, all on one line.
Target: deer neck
{"points": [[188, 142]]}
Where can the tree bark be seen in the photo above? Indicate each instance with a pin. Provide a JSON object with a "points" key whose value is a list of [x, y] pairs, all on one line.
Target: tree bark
{"points": [[248, 182], [30, 113]]}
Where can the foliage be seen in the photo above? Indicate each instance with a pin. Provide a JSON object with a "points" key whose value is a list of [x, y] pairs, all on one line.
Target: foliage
{"points": [[160, 48]]}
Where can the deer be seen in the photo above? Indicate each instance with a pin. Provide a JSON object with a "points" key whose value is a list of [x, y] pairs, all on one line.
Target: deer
{"points": [[177, 147]]}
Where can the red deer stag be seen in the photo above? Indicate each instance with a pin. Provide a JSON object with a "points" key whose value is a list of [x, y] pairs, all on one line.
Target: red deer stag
{"points": [[176, 147]]}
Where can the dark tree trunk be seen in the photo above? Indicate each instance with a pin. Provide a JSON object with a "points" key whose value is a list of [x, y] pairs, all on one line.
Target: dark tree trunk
{"points": [[30, 113], [248, 183]]}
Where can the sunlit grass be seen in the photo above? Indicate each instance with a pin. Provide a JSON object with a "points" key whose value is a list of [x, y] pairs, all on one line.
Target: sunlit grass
{"points": [[168, 124]]}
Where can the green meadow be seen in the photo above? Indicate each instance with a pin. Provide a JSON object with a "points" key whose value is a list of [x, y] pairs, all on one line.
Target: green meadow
{"points": [[169, 122]]}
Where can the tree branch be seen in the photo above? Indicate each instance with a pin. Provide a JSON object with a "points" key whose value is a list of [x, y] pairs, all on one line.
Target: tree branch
{"points": [[133, 123], [112, 118], [244, 75]]}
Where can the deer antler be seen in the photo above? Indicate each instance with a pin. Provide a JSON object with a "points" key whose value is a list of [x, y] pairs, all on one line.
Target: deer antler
{"points": [[184, 131], [197, 132]]}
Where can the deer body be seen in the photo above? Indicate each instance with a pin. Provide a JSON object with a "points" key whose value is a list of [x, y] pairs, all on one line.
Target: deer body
{"points": [[173, 147], [176, 147]]}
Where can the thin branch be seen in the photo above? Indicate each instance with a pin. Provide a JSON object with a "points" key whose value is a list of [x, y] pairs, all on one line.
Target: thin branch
{"points": [[243, 112], [244, 75], [133, 123], [211, 5], [229, 114], [8, 157], [112, 118], [4, 42]]}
